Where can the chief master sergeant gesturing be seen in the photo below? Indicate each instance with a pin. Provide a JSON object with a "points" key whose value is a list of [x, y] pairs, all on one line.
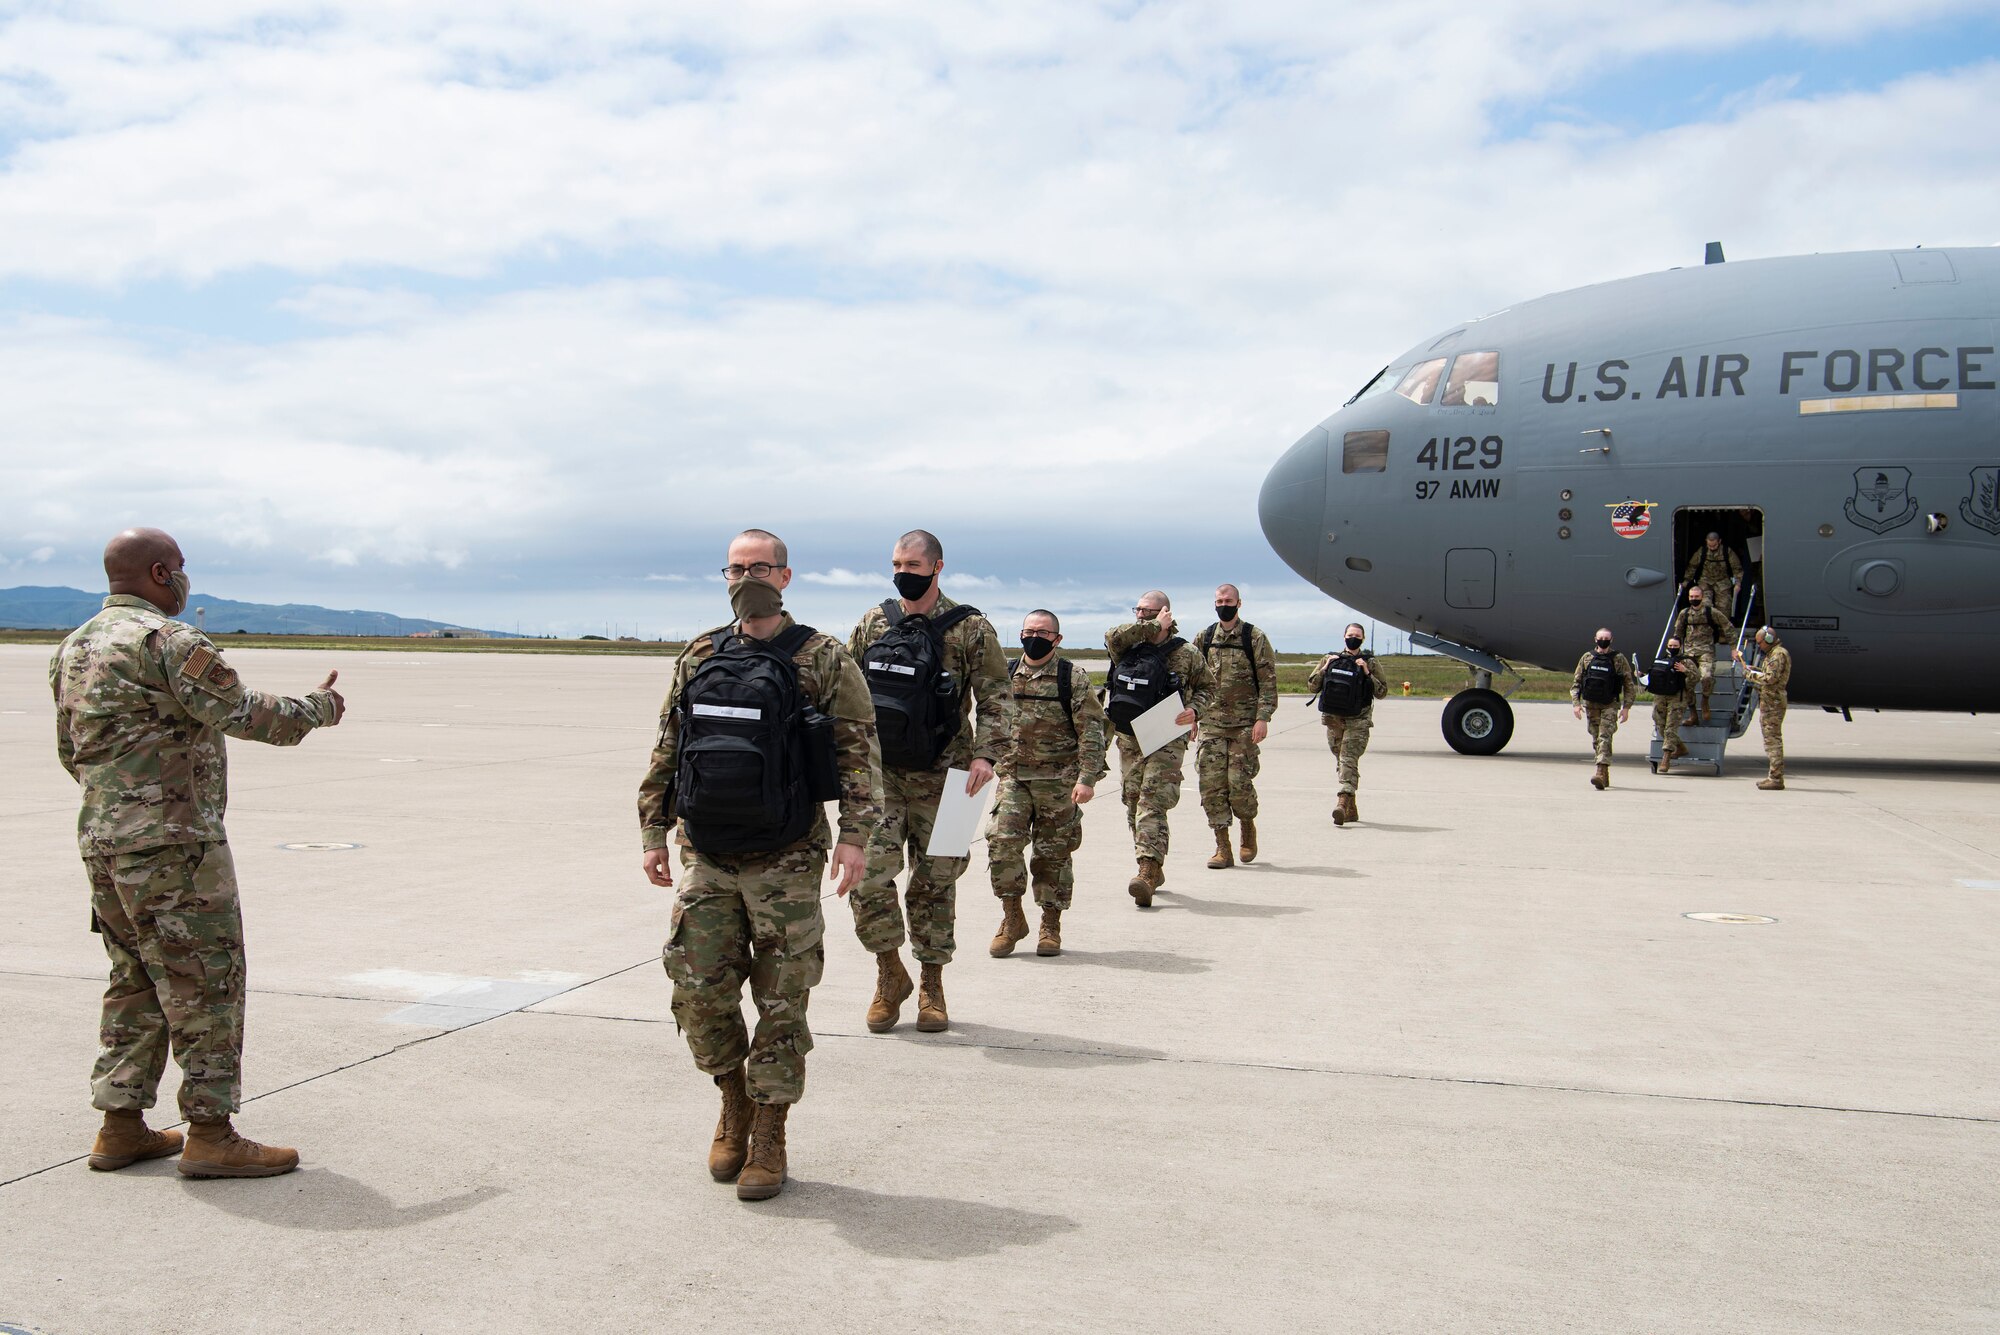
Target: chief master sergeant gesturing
{"points": [[765, 720], [142, 703]]}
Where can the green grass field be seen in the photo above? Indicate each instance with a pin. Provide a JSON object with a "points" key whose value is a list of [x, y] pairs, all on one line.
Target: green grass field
{"points": [[1430, 677]]}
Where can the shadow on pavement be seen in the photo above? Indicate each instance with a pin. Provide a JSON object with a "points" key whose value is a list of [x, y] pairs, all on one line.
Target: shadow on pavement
{"points": [[1020, 1047], [1140, 961], [323, 1201], [1271, 867], [1220, 908], [915, 1228]]}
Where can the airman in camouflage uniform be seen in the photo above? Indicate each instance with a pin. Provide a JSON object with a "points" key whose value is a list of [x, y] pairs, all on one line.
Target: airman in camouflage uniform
{"points": [[910, 798], [1698, 627], [1347, 735], [1717, 571], [142, 705], [1245, 670], [1151, 785], [1603, 718], [1667, 709], [1057, 763], [1772, 678], [755, 917]]}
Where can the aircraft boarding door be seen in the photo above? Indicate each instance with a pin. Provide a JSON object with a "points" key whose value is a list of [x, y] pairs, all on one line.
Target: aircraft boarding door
{"points": [[1732, 700]]}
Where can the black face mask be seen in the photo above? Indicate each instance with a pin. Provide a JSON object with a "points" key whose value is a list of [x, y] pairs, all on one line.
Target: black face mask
{"points": [[1604, 646], [1225, 611], [1036, 647], [1354, 641], [913, 587]]}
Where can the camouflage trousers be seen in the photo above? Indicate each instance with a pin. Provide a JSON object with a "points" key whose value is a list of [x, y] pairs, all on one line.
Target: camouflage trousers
{"points": [[755, 918], [169, 920], [1773, 721], [1041, 811], [1602, 720], [1227, 767], [1667, 711], [1722, 597], [1347, 738], [909, 809], [1704, 686], [1151, 787]]}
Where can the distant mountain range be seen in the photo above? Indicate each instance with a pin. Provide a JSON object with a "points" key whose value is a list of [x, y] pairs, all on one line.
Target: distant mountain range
{"points": [[31, 608]]}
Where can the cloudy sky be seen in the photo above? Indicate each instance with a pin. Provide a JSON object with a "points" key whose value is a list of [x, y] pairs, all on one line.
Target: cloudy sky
{"points": [[510, 313]]}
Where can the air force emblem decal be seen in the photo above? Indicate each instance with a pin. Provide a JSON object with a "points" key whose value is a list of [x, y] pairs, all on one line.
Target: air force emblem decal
{"points": [[1982, 508], [1881, 499]]}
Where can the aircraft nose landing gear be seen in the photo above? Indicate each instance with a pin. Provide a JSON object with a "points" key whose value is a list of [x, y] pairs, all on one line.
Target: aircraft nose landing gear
{"points": [[1478, 722]]}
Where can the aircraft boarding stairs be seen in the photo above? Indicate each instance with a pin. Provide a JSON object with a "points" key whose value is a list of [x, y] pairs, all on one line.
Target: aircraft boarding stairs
{"points": [[1731, 703]]}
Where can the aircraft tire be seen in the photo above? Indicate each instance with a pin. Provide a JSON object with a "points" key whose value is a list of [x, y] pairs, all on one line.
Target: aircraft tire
{"points": [[1478, 723]]}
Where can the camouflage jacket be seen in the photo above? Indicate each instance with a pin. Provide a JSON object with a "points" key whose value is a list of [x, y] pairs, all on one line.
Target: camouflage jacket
{"points": [[832, 682], [1699, 628], [1197, 685], [1243, 695], [1377, 687], [1772, 676], [1628, 682], [1049, 744], [1713, 568], [971, 654], [142, 704]]}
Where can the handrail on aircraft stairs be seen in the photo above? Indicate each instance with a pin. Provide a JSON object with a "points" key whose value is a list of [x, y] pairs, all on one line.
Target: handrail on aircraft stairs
{"points": [[1733, 695]]}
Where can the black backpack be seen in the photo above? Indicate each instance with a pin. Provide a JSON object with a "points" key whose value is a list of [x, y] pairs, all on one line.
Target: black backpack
{"points": [[1666, 678], [742, 783], [1140, 680], [1063, 690], [917, 698], [1600, 679], [1206, 641], [1344, 688]]}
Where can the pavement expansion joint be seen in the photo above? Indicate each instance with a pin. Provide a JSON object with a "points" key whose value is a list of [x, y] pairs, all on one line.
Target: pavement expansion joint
{"points": [[1107, 1053]]}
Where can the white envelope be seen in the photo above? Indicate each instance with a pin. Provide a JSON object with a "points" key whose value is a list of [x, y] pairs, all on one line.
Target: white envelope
{"points": [[1156, 727], [958, 816]]}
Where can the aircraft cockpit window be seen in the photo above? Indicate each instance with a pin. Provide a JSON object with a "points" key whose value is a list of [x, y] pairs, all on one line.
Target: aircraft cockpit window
{"points": [[1475, 381], [1384, 380], [1364, 452], [1420, 385]]}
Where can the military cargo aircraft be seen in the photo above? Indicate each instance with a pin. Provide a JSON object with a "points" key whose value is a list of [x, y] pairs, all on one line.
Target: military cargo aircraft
{"points": [[1505, 488]]}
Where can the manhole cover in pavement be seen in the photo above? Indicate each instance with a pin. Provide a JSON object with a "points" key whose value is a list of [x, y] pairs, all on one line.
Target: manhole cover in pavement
{"points": [[318, 847], [1729, 917]]}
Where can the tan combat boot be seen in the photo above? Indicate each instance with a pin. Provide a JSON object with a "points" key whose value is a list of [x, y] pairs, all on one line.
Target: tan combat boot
{"points": [[1222, 857], [1772, 785], [764, 1176], [1247, 849], [1600, 778], [892, 989], [1340, 809], [215, 1150], [1666, 764], [1013, 927], [732, 1130], [1353, 811], [1050, 941], [1144, 881], [931, 1016], [126, 1139]]}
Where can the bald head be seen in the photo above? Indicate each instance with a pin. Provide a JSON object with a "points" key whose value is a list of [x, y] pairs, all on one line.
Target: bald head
{"points": [[142, 562]]}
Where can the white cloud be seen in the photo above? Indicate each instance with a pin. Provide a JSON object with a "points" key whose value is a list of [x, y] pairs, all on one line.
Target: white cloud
{"points": [[971, 269], [839, 578], [41, 555]]}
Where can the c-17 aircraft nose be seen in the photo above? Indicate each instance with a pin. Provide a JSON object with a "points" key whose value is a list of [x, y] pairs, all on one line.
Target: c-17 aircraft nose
{"points": [[1292, 505]]}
